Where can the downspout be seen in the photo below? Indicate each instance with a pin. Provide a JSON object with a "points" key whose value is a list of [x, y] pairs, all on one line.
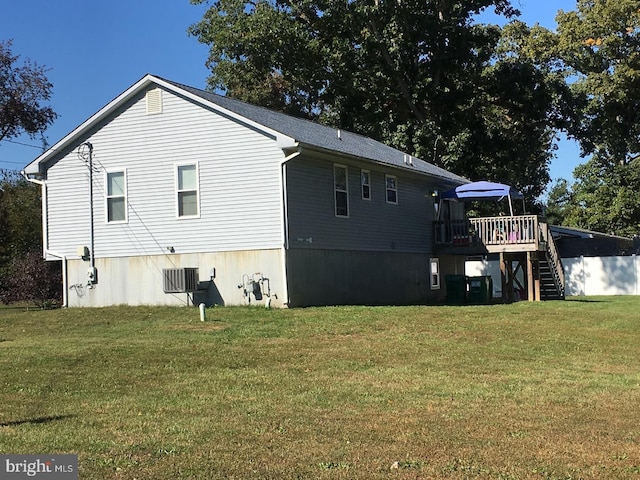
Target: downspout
{"points": [[285, 212], [65, 301], [45, 236]]}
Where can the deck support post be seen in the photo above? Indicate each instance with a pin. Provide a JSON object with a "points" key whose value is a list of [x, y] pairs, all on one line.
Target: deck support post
{"points": [[531, 293], [503, 278]]}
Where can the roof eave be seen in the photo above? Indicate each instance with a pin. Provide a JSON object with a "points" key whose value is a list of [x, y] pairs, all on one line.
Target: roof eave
{"points": [[327, 151]]}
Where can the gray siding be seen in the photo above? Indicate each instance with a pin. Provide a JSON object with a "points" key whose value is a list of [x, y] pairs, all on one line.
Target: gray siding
{"points": [[373, 225], [239, 180], [334, 277]]}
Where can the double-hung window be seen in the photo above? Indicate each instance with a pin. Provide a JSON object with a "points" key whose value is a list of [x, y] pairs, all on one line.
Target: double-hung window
{"points": [[341, 188], [187, 190], [392, 188], [116, 196], [365, 182]]}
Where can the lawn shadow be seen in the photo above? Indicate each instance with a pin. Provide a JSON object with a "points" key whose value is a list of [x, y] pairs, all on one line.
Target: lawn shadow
{"points": [[586, 300], [36, 421]]}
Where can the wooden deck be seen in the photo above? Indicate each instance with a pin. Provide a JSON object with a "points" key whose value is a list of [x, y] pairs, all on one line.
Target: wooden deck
{"points": [[523, 241]]}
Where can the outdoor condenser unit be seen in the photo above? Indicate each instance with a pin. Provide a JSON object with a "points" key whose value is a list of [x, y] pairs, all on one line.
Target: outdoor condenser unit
{"points": [[179, 280]]}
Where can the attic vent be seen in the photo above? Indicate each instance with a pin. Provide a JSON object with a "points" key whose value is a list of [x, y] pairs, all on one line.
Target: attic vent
{"points": [[179, 280], [154, 101]]}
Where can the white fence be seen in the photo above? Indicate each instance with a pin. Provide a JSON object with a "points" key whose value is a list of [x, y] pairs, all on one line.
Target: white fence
{"points": [[602, 275], [583, 275]]}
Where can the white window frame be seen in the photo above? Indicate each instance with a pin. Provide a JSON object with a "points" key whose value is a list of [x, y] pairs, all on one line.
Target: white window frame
{"points": [[108, 197], [337, 190], [394, 189], [366, 184], [434, 273], [179, 191]]}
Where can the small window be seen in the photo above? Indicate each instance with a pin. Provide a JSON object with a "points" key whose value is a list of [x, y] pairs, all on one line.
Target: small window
{"points": [[392, 188], [435, 273], [116, 197], [341, 187], [365, 181], [187, 190]]}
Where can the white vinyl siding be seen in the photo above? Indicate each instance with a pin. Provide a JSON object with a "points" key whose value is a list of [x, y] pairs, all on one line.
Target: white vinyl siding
{"points": [[187, 190], [116, 196], [365, 184], [341, 187], [239, 184], [391, 183]]}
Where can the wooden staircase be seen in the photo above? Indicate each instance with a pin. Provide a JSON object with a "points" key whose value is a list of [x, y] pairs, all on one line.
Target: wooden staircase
{"points": [[550, 268], [549, 287]]}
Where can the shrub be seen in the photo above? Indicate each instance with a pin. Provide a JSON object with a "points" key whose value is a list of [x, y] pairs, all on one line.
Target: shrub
{"points": [[31, 279]]}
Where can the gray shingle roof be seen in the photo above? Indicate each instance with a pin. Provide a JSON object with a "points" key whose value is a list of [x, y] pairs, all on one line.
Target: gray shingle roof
{"points": [[319, 136]]}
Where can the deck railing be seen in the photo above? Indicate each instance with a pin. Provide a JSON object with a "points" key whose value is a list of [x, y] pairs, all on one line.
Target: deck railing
{"points": [[521, 229]]}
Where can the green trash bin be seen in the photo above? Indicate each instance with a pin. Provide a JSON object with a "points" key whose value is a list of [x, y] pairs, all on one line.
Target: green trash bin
{"points": [[456, 289], [480, 290]]}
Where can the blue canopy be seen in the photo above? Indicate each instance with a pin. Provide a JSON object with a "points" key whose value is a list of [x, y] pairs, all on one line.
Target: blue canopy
{"points": [[481, 191]]}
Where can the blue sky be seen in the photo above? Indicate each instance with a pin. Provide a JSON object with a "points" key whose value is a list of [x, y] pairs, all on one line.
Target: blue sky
{"points": [[96, 50]]}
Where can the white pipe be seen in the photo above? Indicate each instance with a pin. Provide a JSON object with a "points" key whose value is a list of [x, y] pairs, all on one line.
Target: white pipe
{"points": [[284, 196], [45, 236], [285, 214], [45, 216], [202, 312]]}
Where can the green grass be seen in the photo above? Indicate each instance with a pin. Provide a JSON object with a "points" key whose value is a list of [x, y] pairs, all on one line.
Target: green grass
{"points": [[530, 390]]}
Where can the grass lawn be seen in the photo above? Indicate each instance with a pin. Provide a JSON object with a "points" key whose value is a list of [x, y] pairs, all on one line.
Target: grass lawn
{"points": [[530, 390]]}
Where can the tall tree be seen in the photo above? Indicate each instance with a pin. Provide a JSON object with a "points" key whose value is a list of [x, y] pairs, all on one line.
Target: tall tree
{"points": [[20, 216], [599, 46], [597, 49], [560, 203], [605, 197], [24, 91], [24, 275], [421, 75]]}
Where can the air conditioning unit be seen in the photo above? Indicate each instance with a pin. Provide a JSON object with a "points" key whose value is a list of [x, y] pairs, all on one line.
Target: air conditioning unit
{"points": [[179, 280]]}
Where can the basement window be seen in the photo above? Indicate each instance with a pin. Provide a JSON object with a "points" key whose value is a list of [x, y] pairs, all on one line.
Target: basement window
{"points": [[435, 273]]}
